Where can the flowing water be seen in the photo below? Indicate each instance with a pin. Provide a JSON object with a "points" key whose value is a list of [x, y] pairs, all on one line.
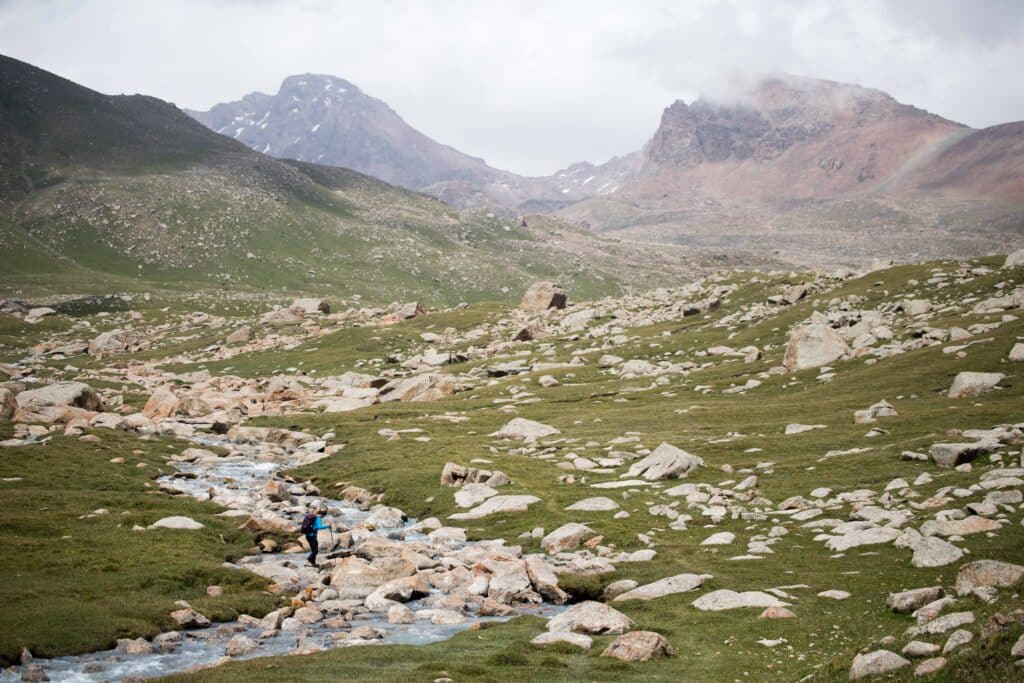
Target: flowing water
{"points": [[242, 474]]}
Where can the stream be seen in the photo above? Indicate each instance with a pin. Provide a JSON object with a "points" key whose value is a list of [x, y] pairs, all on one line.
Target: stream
{"points": [[243, 473]]}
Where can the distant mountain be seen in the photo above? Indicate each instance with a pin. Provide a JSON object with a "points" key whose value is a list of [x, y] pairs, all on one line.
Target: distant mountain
{"points": [[808, 168], [328, 120], [100, 192]]}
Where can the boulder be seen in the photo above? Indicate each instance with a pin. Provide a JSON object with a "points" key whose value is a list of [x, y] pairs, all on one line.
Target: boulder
{"points": [[876, 663], [75, 394], [949, 455], [665, 462], [969, 384], [930, 666], [189, 618], [1014, 260], [544, 580], [282, 317], [905, 602], [566, 537], [162, 403], [590, 617], [525, 430], [813, 345], [541, 296], [471, 495], [311, 306], [355, 578], [114, 341], [579, 640], [239, 336], [680, 583], [496, 505], [983, 573], [916, 306], [1017, 353], [724, 599], [410, 310], [425, 387], [596, 504], [8, 404], [240, 645], [639, 646], [176, 522]]}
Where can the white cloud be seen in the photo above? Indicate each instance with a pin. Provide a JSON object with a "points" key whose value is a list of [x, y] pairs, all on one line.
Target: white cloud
{"points": [[532, 86]]}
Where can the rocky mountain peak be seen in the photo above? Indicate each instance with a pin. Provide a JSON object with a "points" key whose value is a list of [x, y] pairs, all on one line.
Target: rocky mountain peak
{"points": [[765, 118]]}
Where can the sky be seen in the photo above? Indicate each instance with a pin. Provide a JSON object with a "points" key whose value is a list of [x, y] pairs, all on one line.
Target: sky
{"points": [[532, 86]]}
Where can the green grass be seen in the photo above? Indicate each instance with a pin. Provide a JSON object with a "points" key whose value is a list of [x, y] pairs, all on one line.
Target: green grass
{"points": [[592, 407], [74, 583]]}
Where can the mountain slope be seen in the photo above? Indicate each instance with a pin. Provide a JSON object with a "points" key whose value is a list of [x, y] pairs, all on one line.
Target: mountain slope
{"points": [[811, 169], [101, 192], [328, 120]]}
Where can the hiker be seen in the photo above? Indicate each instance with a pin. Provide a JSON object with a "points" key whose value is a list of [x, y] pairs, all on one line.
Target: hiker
{"points": [[312, 523]]}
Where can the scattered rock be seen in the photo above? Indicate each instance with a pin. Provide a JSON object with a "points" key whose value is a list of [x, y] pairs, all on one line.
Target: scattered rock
{"points": [[639, 646], [876, 663]]}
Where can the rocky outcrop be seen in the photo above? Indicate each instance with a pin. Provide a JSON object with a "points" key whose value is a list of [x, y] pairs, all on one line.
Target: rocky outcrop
{"points": [[543, 295]]}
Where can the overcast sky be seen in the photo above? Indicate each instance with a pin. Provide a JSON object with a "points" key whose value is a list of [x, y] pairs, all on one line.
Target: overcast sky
{"points": [[531, 86]]}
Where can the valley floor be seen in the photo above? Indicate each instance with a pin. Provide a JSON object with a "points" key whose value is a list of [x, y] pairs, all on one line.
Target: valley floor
{"points": [[791, 512]]}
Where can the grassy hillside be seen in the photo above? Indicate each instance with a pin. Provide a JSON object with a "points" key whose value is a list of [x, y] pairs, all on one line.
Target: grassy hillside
{"points": [[102, 193]]}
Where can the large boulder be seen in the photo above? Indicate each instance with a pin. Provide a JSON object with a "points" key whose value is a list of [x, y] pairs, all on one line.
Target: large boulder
{"points": [[114, 341], [717, 601], [544, 580], [596, 504], [74, 394], [591, 617], [282, 317], [176, 522], [497, 504], [907, 601], [525, 430], [984, 573], [876, 663], [969, 384], [639, 646], [162, 403], [566, 537], [355, 578], [680, 583], [426, 387], [8, 403], [665, 462], [543, 295], [812, 346], [1014, 260]]}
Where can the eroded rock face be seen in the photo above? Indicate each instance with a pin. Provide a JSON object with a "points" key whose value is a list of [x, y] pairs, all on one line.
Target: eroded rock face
{"points": [[639, 646], [543, 295], [812, 346]]}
